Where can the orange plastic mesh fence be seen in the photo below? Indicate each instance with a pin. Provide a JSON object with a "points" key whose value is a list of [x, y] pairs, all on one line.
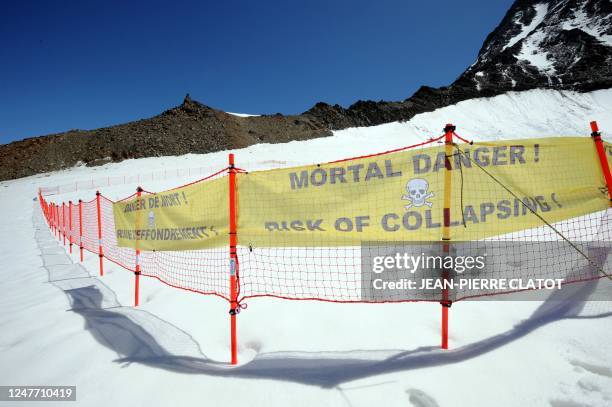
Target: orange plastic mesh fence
{"points": [[286, 256]]}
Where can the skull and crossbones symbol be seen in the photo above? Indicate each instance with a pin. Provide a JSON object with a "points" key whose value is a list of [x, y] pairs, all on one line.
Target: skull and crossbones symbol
{"points": [[417, 193]]}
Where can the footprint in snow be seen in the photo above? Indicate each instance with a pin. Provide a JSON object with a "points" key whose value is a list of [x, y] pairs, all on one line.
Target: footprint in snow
{"points": [[419, 398]]}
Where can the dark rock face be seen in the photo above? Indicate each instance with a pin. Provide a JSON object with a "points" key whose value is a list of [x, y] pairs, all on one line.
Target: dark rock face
{"points": [[559, 44]]}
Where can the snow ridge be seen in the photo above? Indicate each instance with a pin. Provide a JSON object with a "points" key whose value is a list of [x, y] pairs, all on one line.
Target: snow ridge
{"points": [[540, 10]]}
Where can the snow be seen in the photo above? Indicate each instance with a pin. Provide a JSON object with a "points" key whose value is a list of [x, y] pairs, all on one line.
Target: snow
{"points": [[532, 36], [512, 115], [540, 9], [243, 114], [173, 349], [532, 53], [591, 26], [478, 75]]}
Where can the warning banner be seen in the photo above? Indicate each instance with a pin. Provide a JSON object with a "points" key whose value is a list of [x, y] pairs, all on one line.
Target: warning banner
{"points": [[187, 218], [495, 188]]}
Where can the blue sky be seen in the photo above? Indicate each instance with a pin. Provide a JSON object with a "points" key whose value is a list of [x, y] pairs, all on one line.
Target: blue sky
{"points": [[88, 64]]}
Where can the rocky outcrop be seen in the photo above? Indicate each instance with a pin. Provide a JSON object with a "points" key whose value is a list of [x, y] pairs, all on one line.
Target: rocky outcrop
{"points": [[189, 128]]}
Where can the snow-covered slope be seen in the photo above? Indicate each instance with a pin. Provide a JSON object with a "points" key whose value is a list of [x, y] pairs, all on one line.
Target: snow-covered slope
{"points": [[80, 330]]}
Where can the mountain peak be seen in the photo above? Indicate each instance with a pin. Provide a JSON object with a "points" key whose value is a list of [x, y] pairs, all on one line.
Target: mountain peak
{"points": [[562, 44]]}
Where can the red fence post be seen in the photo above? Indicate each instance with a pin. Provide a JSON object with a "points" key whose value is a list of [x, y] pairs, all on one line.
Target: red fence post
{"points": [[603, 159], [70, 225], [52, 218], [100, 252], [137, 268], [446, 237], [81, 228], [233, 259], [64, 222]]}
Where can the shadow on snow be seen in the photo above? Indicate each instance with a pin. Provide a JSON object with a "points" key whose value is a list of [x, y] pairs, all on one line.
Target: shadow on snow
{"points": [[135, 336]]}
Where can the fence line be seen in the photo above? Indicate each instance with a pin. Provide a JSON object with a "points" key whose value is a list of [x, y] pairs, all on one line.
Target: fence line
{"points": [[141, 178], [261, 265]]}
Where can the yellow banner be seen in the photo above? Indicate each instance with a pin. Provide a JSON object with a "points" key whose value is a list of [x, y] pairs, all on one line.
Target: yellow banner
{"points": [[187, 218], [495, 189], [608, 148]]}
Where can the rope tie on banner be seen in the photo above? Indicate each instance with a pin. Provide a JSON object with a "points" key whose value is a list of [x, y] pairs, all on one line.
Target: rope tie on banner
{"points": [[236, 306], [239, 306], [462, 139]]}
